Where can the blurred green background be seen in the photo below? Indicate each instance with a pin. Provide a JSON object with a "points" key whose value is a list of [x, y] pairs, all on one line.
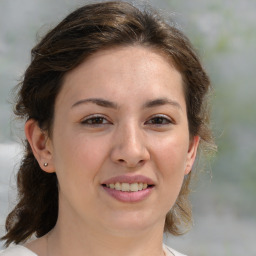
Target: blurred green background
{"points": [[224, 34]]}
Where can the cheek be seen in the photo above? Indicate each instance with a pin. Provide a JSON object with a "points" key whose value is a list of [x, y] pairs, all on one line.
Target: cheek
{"points": [[77, 164], [78, 157], [171, 154], [171, 165], [171, 160]]}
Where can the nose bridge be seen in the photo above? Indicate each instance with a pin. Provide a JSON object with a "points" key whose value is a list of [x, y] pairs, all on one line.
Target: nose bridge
{"points": [[132, 137], [129, 144]]}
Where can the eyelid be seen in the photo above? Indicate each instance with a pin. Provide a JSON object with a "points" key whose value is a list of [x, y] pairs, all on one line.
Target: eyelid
{"points": [[94, 116], [166, 117]]}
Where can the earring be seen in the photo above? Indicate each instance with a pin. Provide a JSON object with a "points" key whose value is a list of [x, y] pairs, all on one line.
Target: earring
{"points": [[45, 164]]}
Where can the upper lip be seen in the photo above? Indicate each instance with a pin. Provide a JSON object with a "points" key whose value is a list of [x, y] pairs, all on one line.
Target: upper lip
{"points": [[129, 179]]}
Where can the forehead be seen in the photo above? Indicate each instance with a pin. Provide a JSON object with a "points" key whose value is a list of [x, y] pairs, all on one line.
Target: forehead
{"points": [[124, 56], [122, 70]]}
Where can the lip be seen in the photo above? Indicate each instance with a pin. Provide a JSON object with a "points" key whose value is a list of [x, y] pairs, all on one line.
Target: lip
{"points": [[129, 179], [129, 197]]}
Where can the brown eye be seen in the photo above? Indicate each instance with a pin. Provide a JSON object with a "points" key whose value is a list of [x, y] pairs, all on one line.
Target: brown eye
{"points": [[95, 121], [159, 120]]}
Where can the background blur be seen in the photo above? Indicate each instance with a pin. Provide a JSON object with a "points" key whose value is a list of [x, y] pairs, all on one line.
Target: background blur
{"points": [[224, 34]]}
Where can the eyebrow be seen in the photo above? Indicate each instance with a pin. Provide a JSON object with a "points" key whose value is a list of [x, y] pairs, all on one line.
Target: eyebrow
{"points": [[97, 101], [161, 102], [110, 104]]}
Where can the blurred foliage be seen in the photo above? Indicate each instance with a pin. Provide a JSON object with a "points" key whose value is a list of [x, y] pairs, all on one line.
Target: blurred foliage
{"points": [[224, 35]]}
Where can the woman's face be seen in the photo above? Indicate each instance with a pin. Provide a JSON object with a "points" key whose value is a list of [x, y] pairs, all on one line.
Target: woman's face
{"points": [[120, 145]]}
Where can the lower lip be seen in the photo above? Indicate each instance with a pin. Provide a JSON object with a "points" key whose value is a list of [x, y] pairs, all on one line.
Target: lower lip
{"points": [[129, 197]]}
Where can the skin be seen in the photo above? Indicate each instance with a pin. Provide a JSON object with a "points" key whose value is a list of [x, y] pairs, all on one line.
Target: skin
{"points": [[136, 136]]}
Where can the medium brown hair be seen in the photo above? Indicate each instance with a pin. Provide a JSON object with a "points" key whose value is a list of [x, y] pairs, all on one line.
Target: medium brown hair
{"points": [[82, 33]]}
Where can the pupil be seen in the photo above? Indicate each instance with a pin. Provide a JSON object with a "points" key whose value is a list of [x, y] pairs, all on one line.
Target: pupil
{"points": [[158, 120], [97, 120]]}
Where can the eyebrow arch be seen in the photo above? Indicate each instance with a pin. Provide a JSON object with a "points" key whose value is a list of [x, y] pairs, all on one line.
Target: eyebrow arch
{"points": [[161, 102], [97, 101], [110, 104]]}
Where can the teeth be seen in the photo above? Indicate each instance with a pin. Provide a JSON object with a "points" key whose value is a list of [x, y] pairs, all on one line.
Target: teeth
{"points": [[126, 187], [140, 186], [118, 186], [134, 187]]}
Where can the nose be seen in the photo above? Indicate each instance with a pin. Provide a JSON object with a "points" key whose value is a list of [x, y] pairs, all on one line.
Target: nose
{"points": [[129, 147]]}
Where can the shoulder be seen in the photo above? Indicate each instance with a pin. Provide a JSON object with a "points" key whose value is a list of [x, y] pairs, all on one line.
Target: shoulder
{"points": [[171, 252], [17, 250]]}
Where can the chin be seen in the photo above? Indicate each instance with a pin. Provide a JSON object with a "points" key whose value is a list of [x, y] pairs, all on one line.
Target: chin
{"points": [[134, 222]]}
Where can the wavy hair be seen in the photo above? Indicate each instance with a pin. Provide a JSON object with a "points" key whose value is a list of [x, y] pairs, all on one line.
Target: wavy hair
{"points": [[85, 31]]}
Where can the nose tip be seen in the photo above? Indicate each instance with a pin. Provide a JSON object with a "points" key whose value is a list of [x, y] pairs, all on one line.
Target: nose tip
{"points": [[130, 150]]}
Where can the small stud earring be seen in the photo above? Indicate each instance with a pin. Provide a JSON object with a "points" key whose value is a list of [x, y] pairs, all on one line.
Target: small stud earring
{"points": [[45, 164]]}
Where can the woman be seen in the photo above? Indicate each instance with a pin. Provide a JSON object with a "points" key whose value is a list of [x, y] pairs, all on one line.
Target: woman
{"points": [[115, 107]]}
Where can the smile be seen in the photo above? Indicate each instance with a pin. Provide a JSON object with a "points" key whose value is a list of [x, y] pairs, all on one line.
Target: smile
{"points": [[129, 188], [126, 187]]}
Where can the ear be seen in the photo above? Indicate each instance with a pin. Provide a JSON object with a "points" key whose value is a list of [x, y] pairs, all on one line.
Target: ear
{"points": [[41, 145], [191, 156]]}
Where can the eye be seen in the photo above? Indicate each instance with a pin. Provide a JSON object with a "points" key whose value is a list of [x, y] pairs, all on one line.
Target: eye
{"points": [[95, 120], [159, 120]]}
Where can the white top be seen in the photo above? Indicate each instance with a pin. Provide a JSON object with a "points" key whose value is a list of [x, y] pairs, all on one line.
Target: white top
{"points": [[170, 252], [19, 250]]}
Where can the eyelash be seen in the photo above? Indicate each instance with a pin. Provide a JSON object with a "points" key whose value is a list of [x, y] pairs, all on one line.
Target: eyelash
{"points": [[93, 120], [98, 120], [163, 118]]}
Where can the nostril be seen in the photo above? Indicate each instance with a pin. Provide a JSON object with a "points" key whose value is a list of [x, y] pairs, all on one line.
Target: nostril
{"points": [[131, 164]]}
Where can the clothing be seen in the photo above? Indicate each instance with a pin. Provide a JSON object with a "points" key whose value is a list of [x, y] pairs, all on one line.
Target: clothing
{"points": [[19, 250], [170, 252]]}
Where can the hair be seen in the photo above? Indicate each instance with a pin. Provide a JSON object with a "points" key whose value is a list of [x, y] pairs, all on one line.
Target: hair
{"points": [[87, 30]]}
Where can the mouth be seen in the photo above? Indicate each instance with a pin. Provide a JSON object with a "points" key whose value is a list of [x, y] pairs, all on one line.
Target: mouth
{"points": [[128, 187]]}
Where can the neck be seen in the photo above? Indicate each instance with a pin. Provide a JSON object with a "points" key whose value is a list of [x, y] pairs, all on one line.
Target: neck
{"points": [[76, 240]]}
